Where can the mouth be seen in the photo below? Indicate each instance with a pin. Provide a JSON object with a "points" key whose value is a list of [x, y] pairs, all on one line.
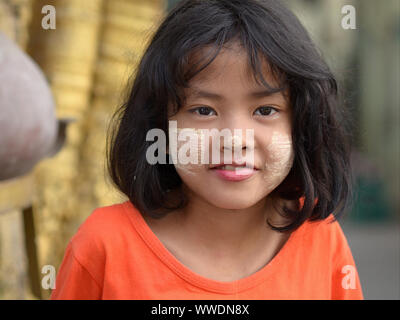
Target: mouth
{"points": [[234, 172], [234, 166]]}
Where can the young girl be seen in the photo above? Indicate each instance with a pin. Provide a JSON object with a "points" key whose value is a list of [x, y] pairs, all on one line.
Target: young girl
{"points": [[265, 228]]}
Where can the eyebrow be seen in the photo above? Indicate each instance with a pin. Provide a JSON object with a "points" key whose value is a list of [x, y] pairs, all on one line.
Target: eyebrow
{"points": [[197, 93]]}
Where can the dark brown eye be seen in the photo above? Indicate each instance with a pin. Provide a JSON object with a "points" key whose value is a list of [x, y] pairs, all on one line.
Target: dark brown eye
{"points": [[203, 111], [267, 110]]}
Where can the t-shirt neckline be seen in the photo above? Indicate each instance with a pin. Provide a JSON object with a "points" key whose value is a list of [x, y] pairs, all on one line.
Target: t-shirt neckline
{"points": [[231, 287]]}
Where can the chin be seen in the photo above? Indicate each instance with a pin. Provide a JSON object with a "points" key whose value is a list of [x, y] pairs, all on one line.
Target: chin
{"points": [[230, 202]]}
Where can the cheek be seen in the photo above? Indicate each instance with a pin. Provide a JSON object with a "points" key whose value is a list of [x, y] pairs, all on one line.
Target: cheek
{"points": [[280, 158], [189, 151]]}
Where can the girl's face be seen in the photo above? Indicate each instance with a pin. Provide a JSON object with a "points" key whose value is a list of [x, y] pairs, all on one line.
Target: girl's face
{"points": [[230, 104]]}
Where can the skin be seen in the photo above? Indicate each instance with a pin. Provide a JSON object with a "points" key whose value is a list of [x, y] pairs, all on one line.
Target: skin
{"points": [[222, 233]]}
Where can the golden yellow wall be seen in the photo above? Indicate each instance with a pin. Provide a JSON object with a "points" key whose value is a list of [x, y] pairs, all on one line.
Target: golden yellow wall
{"points": [[87, 60]]}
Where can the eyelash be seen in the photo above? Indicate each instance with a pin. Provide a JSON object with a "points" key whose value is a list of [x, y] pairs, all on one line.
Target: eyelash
{"points": [[209, 108]]}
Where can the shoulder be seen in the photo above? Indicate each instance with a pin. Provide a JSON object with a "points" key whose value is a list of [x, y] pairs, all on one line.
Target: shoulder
{"points": [[326, 233], [104, 218], [329, 225], [327, 241], [327, 229], [99, 231], [336, 256]]}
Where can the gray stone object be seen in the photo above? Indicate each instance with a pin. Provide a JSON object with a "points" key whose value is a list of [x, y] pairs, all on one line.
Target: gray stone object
{"points": [[29, 130]]}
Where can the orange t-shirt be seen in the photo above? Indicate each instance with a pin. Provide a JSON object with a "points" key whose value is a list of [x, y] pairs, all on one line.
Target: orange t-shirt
{"points": [[115, 255]]}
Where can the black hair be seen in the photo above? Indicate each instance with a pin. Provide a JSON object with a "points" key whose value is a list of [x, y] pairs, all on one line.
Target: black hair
{"points": [[321, 174]]}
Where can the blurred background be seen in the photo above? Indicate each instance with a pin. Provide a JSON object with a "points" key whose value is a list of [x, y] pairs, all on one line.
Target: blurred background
{"points": [[87, 61]]}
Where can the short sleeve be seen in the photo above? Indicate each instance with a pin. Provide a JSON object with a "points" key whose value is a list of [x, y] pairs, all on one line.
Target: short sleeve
{"points": [[346, 283], [73, 281]]}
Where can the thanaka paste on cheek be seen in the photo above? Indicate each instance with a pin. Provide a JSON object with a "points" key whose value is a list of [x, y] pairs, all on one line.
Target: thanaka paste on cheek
{"points": [[190, 144], [280, 159]]}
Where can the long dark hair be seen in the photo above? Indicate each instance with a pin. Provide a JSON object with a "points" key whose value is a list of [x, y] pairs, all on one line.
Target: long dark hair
{"points": [[321, 174]]}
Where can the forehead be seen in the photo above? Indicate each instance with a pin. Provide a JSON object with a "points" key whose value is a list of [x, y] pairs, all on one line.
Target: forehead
{"points": [[229, 68]]}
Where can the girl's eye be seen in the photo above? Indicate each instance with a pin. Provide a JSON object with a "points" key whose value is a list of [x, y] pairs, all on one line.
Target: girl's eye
{"points": [[202, 111], [207, 111], [266, 110]]}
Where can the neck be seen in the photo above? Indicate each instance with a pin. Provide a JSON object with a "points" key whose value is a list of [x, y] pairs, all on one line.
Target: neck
{"points": [[230, 231]]}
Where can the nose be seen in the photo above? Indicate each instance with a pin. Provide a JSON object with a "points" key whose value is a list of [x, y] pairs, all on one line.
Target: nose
{"points": [[237, 135], [238, 146], [233, 141], [238, 140]]}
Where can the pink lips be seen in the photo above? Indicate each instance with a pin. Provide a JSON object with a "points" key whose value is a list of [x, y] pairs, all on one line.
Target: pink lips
{"points": [[234, 175]]}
